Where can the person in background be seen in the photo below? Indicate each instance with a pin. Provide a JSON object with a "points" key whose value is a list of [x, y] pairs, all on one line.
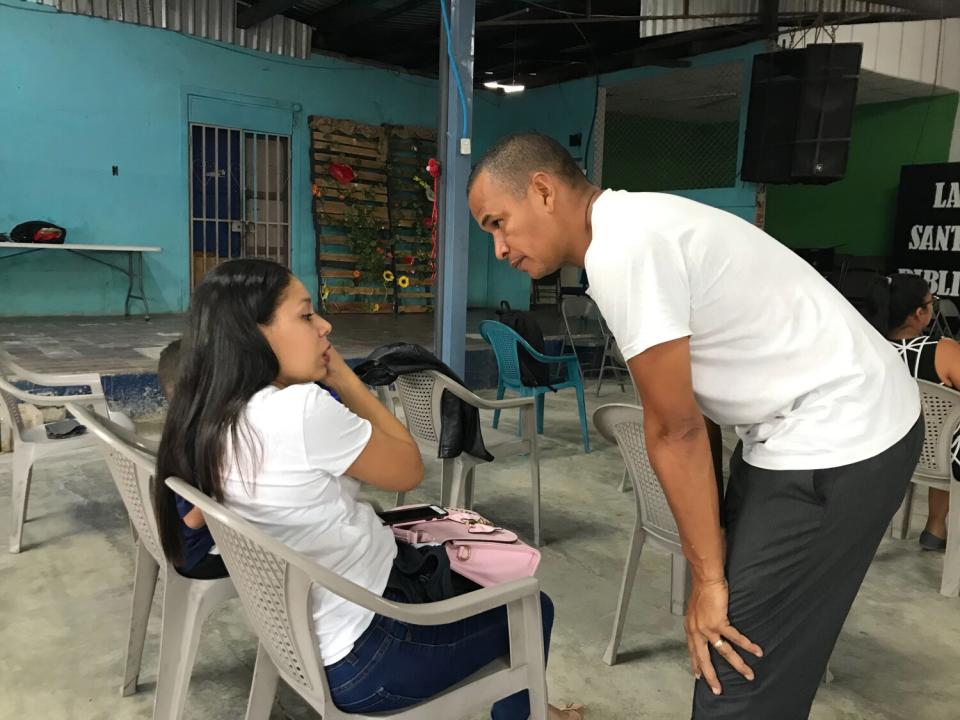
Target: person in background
{"points": [[906, 310], [250, 426], [201, 561]]}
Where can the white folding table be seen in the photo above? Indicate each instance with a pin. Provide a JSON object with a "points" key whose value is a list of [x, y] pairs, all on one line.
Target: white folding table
{"points": [[133, 271]]}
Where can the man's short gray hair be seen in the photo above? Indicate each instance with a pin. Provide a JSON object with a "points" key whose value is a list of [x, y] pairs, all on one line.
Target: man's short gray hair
{"points": [[514, 158]]}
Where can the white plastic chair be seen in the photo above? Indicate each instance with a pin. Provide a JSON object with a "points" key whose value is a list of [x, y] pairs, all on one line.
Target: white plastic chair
{"points": [[31, 445], [941, 414], [623, 425], [274, 584], [187, 603], [421, 396]]}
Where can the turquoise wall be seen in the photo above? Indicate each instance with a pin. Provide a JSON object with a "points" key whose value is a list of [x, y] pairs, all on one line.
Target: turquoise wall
{"points": [[79, 95]]}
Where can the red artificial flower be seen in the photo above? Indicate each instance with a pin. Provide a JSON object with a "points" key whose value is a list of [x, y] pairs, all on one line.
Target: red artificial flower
{"points": [[343, 174], [433, 167]]}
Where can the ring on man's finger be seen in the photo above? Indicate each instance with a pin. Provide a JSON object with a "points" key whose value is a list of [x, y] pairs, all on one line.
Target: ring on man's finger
{"points": [[718, 644]]}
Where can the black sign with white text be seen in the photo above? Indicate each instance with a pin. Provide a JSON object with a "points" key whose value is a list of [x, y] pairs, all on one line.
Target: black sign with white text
{"points": [[927, 236]]}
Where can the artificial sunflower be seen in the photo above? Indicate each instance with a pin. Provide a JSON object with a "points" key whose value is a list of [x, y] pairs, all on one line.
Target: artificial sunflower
{"points": [[324, 293], [403, 281], [375, 308], [387, 276]]}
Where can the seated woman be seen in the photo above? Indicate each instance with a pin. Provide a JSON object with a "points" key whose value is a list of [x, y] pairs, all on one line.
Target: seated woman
{"points": [[249, 426], [910, 308]]}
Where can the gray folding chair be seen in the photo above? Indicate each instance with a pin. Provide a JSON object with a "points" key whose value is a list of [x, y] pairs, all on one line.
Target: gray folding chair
{"points": [[32, 444], [187, 603], [947, 318], [421, 396], [941, 414], [274, 584], [586, 330], [623, 425]]}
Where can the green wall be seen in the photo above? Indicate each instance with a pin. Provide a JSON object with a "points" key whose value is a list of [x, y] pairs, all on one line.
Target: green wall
{"points": [[859, 211]]}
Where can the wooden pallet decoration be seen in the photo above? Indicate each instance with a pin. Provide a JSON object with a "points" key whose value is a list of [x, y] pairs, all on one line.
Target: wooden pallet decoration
{"points": [[339, 207], [383, 203]]}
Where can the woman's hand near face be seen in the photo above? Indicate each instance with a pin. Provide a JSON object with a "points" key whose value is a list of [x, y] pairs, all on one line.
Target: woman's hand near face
{"points": [[391, 459], [338, 372]]}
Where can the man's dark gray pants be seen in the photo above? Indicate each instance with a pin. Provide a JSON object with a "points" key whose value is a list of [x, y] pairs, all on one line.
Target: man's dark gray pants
{"points": [[798, 547]]}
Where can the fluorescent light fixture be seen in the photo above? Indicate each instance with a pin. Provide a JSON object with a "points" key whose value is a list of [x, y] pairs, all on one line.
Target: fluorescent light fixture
{"points": [[509, 88]]}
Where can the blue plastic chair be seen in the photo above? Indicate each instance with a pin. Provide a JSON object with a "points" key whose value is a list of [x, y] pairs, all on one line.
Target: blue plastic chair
{"points": [[505, 343]]}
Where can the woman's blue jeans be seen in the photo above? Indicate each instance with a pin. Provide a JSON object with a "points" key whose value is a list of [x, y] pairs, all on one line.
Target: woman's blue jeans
{"points": [[394, 665]]}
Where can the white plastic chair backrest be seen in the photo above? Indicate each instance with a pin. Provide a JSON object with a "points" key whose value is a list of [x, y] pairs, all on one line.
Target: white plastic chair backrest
{"points": [[420, 398], [941, 415], [132, 469], [10, 410], [274, 587], [623, 424]]}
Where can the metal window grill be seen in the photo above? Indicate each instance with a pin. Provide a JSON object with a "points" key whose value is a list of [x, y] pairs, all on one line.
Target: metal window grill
{"points": [[675, 131]]}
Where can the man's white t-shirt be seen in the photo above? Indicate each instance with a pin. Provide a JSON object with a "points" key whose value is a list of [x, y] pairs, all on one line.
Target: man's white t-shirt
{"points": [[298, 493], [775, 350]]}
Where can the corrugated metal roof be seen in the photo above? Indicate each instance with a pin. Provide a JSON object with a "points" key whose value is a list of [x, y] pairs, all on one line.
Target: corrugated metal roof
{"points": [[669, 16], [211, 19]]}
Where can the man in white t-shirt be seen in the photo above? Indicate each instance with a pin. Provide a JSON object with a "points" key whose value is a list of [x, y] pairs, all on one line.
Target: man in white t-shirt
{"points": [[722, 325]]}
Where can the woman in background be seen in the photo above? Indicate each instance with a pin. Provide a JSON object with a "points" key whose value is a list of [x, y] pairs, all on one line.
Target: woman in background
{"points": [[910, 307]]}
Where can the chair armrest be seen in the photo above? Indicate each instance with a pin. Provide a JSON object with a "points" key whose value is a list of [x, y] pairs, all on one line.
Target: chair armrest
{"points": [[438, 613], [545, 358], [470, 398], [435, 613], [91, 380]]}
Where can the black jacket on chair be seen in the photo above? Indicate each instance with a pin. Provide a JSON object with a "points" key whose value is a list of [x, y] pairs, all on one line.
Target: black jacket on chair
{"points": [[460, 421]]}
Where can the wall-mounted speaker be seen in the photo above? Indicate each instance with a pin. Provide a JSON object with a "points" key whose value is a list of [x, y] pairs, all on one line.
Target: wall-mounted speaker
{"points": [[801, 114]]}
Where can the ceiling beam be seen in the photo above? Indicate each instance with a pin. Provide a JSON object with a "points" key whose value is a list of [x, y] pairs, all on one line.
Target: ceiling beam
{"points": [[380, 41], [263, 10], [347, 15]]}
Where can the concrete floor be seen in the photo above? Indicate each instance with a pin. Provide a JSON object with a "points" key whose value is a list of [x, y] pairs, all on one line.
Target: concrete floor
{"points": [[64, 604]]}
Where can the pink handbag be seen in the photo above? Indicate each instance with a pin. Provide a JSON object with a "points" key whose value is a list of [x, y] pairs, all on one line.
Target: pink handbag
{"points": [[478, 549]]}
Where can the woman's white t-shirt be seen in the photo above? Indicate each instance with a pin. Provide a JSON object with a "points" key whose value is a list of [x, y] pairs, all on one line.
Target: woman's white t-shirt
{"points": [[775, 350], [298, 493]]}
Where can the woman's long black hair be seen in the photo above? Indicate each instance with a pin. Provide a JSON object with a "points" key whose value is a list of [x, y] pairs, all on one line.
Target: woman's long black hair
{"points": [[895, 298], [225, 359]]}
